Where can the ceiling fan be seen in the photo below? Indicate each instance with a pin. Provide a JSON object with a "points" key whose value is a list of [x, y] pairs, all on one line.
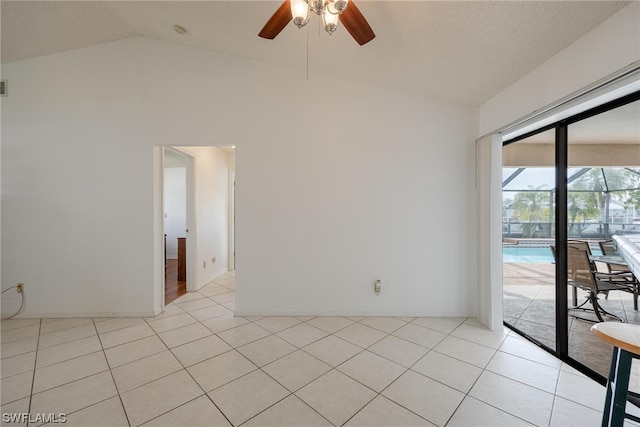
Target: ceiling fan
{"points": [[300, 12]]}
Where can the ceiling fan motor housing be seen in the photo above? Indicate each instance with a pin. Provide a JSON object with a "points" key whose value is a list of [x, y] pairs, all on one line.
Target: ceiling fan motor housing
{"points": [[317, 6]]}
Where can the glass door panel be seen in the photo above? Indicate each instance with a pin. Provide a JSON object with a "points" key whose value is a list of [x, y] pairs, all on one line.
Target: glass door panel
{"points": [[528, 234], [603, 199]]}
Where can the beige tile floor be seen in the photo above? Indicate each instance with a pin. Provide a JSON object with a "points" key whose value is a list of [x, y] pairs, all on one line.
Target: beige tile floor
{"points": [[197, 365]]}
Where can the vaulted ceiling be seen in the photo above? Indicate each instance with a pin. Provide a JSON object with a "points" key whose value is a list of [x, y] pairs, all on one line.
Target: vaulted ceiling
{"points": [[459, 51]]}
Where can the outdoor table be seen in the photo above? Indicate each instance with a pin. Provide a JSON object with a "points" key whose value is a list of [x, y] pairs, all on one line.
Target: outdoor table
{"points": [[608, 259], [628, 246]]}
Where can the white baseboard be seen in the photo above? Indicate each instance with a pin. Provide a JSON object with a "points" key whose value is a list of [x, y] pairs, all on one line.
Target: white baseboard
{"points": [[51, 315], [323, 313]]}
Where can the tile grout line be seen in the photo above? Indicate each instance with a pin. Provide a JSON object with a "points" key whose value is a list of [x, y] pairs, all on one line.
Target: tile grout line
{"points": [[467, 395], [396, 379], [290, 393], [433, 379], [387, 334], [293, 393], [296, 349], [406, 369], [329, 334], [260, 367], [557, 380], [33, 377], [190, 375], [63, 343], [112, 377], [286, 397], [17, 329], [379, 393]]}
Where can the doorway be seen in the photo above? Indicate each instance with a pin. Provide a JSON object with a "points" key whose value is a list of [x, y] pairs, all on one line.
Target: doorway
{"points": [[194, 205], [176, 173]]}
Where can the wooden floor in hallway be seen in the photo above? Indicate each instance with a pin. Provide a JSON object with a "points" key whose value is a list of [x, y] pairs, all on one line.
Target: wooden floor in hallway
{"points": [[173, 288]]}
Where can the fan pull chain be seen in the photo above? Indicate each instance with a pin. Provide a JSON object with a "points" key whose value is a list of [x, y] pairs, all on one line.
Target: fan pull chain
{"points": [[307, 53]]}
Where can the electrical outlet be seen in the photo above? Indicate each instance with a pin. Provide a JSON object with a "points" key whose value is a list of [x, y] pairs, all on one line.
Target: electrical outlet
{"points": [[20, 287], [204, 264], [213, 260]]}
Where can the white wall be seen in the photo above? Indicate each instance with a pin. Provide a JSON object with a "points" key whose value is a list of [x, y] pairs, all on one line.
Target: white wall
{"points": [[319, 219], [231, 165], [612, 45], [76, 233], [175, 207], [388, 195], [211, 198]]}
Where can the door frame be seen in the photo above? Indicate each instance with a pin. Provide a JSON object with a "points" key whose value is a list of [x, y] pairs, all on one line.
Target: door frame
{"points": [[232, 222], [561, 225], [191, 228]]}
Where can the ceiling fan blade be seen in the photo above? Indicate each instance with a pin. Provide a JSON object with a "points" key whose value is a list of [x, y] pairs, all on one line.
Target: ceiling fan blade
{"points": [[358, 27], [277, 22]]}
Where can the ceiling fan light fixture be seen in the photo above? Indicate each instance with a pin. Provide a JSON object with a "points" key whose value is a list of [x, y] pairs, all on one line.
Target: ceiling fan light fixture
{"points": [[300, 12], [330, 20], [340, 5], [332, 11]]}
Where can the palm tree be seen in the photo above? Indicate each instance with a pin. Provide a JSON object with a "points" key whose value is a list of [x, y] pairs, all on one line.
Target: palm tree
{"points": [[603, 184], [594, 183], [529, 206], [580, 207]]}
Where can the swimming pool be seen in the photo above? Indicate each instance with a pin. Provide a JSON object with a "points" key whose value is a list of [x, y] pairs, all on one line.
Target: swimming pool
{"points": [[534, 254], [526, 254]]}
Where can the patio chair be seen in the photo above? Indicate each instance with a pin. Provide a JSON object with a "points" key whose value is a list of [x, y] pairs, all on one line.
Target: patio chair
{"points": [[583, 246], [580, 244], [608, 248], [614, 272], [619, 272], [574, 290], [581, 275]]}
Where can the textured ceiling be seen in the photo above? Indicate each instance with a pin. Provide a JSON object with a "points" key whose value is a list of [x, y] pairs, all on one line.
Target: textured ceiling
{"points": [[459, 51]]}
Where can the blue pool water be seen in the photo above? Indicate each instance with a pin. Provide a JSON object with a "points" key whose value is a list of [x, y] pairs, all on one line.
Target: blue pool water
{"points": [[533, 254], [524, 254]]}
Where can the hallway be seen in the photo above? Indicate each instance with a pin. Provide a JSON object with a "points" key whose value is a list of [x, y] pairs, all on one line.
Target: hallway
{"points": [[173, 288]]}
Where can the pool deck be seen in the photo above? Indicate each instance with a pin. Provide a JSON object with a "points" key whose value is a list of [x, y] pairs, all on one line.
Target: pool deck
{"points": [[529, 305]]}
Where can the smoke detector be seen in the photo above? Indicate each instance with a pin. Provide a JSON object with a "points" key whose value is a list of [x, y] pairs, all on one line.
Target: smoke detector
{"points": [[179, 29]]}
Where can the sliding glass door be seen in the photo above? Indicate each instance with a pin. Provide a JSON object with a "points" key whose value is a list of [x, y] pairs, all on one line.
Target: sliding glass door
{"points": [[572, 184], [603, 200], [528, 236]]}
